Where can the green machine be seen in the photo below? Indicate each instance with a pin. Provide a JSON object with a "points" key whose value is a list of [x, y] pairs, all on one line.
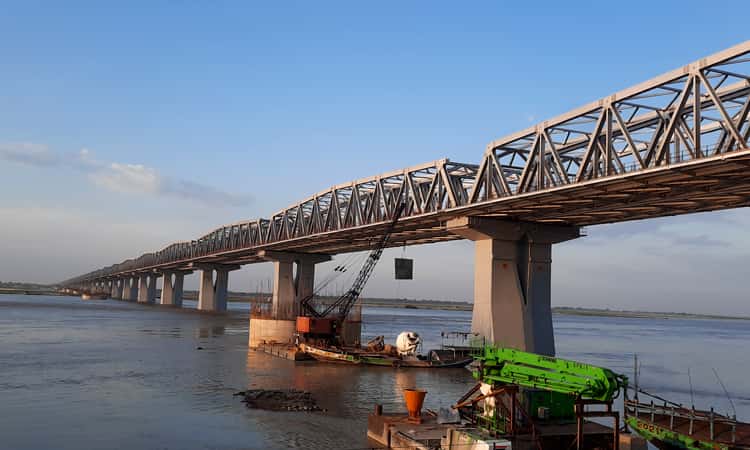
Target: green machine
{"points": [[549, 384]]}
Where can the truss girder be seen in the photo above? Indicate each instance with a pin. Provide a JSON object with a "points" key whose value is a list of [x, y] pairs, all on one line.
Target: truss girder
{"points": [[699, 113], [693, 112]]}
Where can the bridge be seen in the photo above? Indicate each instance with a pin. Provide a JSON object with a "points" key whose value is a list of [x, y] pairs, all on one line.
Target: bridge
{"points": [[675, 144]]}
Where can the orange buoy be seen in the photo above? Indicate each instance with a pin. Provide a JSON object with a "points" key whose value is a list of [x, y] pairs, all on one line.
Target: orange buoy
{"points": [[414, 399]]}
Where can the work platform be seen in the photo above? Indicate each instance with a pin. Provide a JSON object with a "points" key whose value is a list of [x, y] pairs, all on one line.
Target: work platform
{"points": [[395, 430]]}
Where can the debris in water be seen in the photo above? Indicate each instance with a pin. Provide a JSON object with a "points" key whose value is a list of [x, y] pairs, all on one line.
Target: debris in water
{"points": [[278, 400]]}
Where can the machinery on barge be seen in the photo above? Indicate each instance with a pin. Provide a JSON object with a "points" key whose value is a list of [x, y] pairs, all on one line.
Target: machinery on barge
{"points": [[404, 354], [545, 402]]}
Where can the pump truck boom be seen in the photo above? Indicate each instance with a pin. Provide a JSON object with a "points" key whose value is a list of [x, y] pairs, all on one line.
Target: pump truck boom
{"points": [[530, 370]]}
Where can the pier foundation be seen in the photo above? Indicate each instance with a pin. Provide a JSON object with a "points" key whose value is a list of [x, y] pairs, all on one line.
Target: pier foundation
{"points": [[290, 286], [512, 280]]}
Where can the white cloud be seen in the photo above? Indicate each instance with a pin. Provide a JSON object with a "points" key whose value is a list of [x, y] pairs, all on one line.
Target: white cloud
{"points": [[120, 177], [127, 178], [29, 154]]}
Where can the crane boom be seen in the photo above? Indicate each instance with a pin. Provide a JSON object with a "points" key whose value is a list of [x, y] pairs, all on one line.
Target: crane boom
{"points": [[345, 303]]}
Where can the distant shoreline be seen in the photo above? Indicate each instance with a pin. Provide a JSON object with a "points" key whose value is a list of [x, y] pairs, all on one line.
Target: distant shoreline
{"points": [[571, 311], [242, 297]]}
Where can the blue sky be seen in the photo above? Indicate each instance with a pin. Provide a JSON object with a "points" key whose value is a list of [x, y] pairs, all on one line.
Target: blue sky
{"points": [[125, 127]]}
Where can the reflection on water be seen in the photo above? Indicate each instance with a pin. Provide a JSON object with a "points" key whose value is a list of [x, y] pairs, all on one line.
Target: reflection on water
{"points": [[106, 374]]}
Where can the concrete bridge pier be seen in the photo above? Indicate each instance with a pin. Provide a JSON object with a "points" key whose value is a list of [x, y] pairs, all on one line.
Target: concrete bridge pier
{"points": [[512, 280], [130, 288], [147, 287], [107, 287], [289, 288], [212, 294], [116, 291], [171, 290]]}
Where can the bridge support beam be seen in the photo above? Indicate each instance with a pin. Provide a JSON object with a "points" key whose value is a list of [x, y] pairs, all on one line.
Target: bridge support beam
{"points": [[171, 289], [512, 280], [147, 287], [212, 295]]}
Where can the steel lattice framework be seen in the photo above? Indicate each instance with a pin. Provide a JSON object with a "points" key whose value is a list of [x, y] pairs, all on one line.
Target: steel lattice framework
{"points": [[675, 144]]}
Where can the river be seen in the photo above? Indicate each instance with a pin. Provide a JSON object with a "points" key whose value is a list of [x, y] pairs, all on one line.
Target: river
{"points": [[107, 374]]}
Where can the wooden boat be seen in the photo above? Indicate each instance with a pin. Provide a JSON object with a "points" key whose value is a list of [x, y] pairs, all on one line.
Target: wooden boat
{"points": [[435, 359], [428, 361], [325, 355], [672, 426]]}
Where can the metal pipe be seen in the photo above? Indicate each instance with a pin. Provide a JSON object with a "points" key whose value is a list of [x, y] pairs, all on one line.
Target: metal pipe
{"points": [[671, 419], [616, 444], [692, 414]]}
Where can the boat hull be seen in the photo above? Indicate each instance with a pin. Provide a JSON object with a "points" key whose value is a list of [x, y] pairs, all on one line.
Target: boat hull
{"points": [[376, 359]]}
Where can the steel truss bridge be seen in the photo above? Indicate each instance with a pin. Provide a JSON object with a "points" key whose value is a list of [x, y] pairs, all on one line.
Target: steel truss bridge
{"points": [[675, 144]]}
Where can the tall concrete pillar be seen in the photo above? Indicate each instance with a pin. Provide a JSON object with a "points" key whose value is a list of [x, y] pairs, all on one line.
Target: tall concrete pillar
{"points": [[147, 287], [283, 306], [212, 294], [116, 291], [289, 288], [125, 289], [130, 288], [512, 280], [171, 290]]}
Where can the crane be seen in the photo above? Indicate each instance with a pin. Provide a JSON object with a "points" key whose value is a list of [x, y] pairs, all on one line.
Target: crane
{"points": [[325, 324]]}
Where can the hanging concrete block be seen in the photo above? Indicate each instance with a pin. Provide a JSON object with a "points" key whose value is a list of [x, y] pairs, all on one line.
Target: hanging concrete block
{"points": [[404, 269]]}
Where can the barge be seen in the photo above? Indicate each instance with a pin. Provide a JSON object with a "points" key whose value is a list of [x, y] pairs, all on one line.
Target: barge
{"points": [[433, 360], [524, 401]]}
